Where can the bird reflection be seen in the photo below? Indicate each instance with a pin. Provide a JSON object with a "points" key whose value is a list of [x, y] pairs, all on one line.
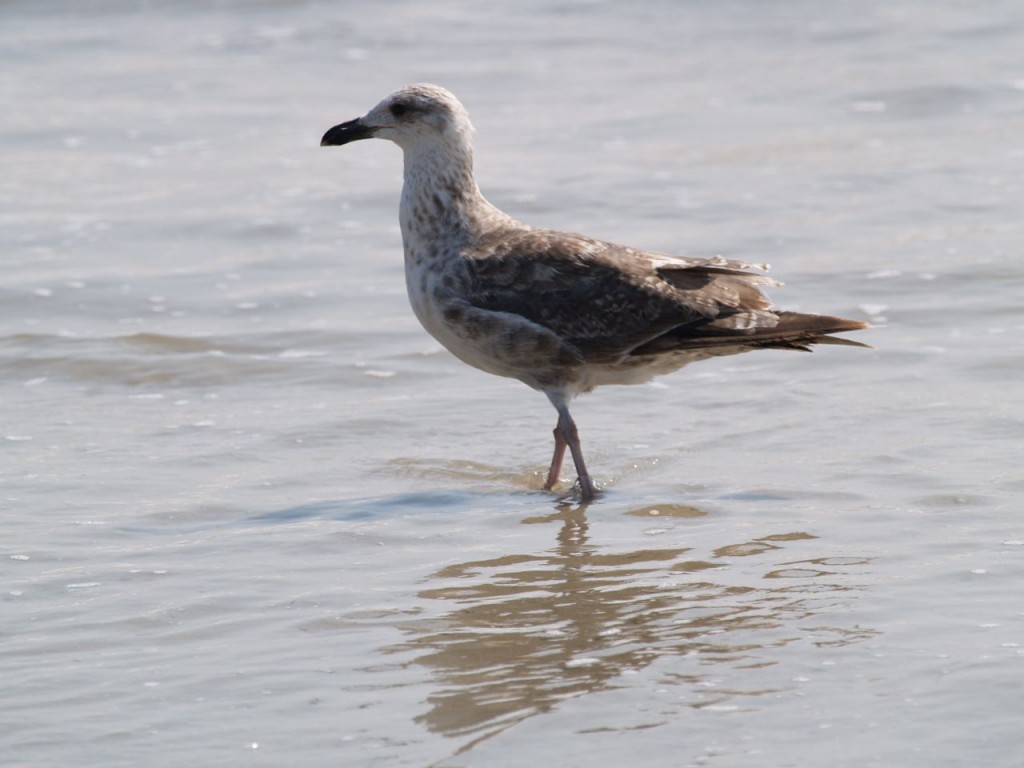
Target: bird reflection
{"points": [[526, 631]]}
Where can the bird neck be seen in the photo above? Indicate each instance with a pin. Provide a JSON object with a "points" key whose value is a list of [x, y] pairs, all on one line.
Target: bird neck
{"points": [[440, 196]]}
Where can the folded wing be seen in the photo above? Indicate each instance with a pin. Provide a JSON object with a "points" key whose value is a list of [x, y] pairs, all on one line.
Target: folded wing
{"points": [[610, 301]]}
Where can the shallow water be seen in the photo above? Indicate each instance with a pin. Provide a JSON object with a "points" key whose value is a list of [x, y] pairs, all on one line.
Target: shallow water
{"points": [[253, 514]]}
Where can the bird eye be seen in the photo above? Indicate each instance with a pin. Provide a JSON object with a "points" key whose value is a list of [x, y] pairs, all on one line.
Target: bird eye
{"points": [[399, 109]]}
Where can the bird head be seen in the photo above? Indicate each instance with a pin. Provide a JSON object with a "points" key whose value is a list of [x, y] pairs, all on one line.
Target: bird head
{"points": [[415, 116]]}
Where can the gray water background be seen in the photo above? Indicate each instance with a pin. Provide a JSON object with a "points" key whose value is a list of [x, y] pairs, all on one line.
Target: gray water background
{"points": [[253, 515]]}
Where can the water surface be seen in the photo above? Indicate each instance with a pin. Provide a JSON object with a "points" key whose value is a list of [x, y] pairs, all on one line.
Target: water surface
{"points": [[253, 514]]}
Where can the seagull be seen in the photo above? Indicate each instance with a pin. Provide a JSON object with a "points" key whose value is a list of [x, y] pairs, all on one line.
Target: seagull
{"points": [[560, 312]]}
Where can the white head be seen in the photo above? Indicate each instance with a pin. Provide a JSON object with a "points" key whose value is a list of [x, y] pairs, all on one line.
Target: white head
{"points": [[415, 117]]}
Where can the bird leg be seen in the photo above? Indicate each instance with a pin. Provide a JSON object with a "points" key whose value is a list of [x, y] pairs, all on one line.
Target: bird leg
{"points": [[566, 436], [556, 460]]}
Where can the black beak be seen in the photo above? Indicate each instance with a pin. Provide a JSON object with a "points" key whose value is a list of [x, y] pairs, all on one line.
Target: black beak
{"points": [[353, 130]]}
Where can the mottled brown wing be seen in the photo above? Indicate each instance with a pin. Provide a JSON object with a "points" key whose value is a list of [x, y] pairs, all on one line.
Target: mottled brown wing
{"points": [[604, 299]]}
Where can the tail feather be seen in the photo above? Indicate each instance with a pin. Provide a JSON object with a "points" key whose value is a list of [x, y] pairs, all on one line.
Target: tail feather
{"points": [[814, 329], [788, 330], [838, 341]]}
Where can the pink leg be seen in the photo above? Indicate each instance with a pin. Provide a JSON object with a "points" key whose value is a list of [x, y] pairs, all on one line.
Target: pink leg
{"points": [[570, 436], [556, 460]]}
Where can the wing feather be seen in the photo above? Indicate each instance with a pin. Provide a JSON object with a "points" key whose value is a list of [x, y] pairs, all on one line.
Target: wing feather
{"points": [[609, 300]]}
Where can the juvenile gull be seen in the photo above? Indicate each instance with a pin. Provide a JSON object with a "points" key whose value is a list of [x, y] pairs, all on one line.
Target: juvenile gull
{"points": [[561, 312]]}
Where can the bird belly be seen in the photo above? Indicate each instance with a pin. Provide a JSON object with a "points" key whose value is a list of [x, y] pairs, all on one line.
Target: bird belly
{"points": [[640, 369], [469, 344], [500, 343]]}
